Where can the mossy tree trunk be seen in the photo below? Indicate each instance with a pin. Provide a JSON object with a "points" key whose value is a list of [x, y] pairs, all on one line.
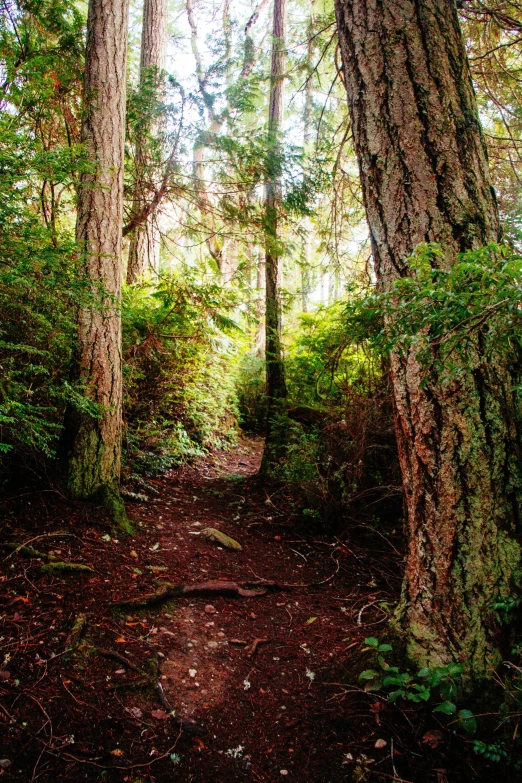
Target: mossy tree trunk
{"points": [[275, 371], [144, 249], [424, 175], [95, 442]]}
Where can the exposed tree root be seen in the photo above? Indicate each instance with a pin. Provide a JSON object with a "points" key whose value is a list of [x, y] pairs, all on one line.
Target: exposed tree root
{"points": [[116, 656], [53, 567], [185, 724], [227, 589]]}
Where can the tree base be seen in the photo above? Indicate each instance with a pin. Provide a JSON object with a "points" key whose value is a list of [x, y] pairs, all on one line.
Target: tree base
{"points": [[115, 508]]}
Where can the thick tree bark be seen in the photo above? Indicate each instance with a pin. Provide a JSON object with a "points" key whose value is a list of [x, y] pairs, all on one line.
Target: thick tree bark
{"points": [[275, 371], [424, 175], [144, 250], [95, 443]]}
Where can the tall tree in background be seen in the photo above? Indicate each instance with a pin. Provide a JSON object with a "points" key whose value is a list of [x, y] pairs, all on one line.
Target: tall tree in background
{"points": [[306, 261], [275, 372], [424, 174], [95, 442], [144, 247]]}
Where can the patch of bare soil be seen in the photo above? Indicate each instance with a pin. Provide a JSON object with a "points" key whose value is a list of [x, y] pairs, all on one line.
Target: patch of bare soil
{"points": [[209, 685]]}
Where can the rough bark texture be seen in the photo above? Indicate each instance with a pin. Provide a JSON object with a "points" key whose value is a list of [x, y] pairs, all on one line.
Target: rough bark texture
{"points": [[275, 373], [424, 175], [144, 249], [95, 443]]}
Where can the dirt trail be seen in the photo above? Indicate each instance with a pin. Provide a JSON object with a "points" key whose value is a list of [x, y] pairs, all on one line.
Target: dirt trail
{"points": [[265, 710], [272, 710]]}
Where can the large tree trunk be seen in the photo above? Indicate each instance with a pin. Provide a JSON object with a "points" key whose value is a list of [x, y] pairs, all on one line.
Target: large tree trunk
{"points": [[95, 443], [424, 175], [275, 371], [144, 249]]}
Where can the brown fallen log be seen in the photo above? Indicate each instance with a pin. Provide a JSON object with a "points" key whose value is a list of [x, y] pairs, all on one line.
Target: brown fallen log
{"points": [[217, 588]]}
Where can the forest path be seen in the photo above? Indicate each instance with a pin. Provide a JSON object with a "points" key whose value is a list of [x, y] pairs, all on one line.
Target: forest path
{"points": [[270, 713], [276, 712]]}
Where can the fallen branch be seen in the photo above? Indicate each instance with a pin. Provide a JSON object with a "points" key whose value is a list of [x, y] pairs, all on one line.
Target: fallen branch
{"points": [[226, 589]]}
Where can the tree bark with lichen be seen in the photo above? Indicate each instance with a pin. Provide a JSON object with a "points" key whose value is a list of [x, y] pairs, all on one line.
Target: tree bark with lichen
{"points": [[424, 175], [94, 442]]}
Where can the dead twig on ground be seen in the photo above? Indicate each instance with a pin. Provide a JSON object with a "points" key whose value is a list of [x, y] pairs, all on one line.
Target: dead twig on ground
{"points": [[251, 650]]}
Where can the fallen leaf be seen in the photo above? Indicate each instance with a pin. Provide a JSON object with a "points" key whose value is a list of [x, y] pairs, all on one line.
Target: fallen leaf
{"points": [[121, 640], [380, 744], [311, 620], [377, 707], [117, 752], [159, 714], [433, 738]]}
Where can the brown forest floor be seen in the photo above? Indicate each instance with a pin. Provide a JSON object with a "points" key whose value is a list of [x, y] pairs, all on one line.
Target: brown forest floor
{"points": [[288, 710]]}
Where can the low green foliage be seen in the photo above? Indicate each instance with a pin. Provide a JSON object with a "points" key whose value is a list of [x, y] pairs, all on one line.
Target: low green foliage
{"points": [[449, 314], [506, 608], [491, 751], [440, 684]]}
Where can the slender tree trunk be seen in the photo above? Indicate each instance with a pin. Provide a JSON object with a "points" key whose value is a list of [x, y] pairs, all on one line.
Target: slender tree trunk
{"points": [[95, 443], [306, 263], [275, 371], [144, 249], [260, 306], [425, 178]]}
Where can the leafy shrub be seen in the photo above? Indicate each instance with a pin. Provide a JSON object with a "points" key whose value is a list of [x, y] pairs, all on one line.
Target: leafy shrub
{"points": [[179, 361], [251, 392], [341, 459], [38, 296]]}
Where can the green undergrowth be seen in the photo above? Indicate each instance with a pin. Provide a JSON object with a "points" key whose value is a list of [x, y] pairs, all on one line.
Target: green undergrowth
{"points": [[486, 720], [340, 459], [179, 356]]}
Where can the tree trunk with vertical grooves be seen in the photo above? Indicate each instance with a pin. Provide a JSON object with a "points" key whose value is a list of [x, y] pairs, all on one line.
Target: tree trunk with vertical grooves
{"points": [[95, 443], [425, 178], [306, 254], [144, 249], [275, 371]]}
